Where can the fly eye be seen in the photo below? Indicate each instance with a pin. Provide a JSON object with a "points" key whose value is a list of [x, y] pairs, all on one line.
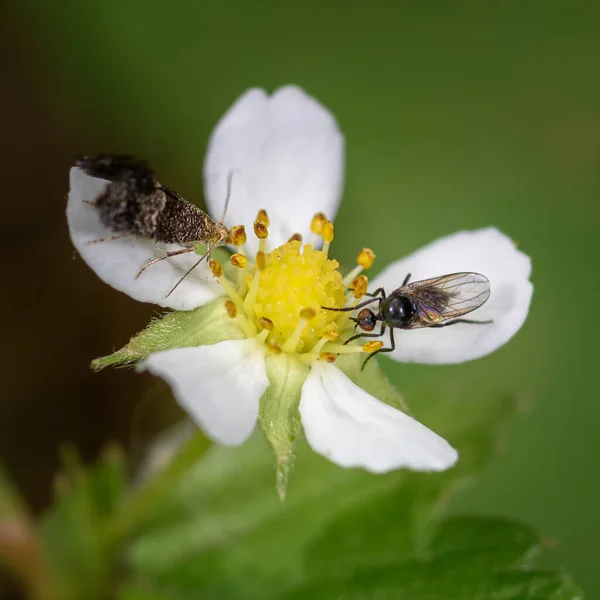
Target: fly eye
{"points": [[366, 320]]}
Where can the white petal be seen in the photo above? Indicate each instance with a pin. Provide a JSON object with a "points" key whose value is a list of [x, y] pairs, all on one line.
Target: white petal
{"points": [[353, 429], [219, 386], [485, 251], [117, 262], [287, 156]]}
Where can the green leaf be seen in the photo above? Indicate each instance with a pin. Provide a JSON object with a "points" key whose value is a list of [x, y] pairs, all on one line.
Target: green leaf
{"points": [[141, 592], [279, 417], [493, 542], [11, 504], [72, 529], [225, 534], [469, 559], [20, 549], [206, 325]]}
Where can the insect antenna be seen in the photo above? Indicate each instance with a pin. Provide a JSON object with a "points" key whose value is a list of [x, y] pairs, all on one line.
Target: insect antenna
{"points": [[188, 272], [229, 180]]}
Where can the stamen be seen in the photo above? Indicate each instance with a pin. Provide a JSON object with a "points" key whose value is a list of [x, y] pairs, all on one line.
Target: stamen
{"points": [[341, 349], [216, 268], [263, 217], [262, 336], [262, 233], [317, 223], [318, 346], [239, 260], [370, 347], [266, 323], [327, 235], [296, 238], [261, 261], [217, 271], [306, 314], [260, 230], [239, 301], [359, 286], [365, 258], [237, 235], [261, 264], [273, 348], [231, 309], [331, 332], [329, 357]]}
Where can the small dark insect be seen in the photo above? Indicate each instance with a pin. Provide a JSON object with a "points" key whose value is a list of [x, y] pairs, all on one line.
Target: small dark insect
{"points": [[427, 303], [136, 204]]}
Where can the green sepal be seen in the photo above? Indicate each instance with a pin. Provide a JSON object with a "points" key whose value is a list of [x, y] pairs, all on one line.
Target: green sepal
{"points": [[202, 326], [279, 417]]}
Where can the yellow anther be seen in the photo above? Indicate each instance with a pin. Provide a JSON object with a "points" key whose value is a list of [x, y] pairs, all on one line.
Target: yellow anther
{"points": [[296, 238], [239, 260], [231, 308], [365, 258], [331, 332], [237, 235], [359, 286], [260, 230], [308, 313], [266, 323], [327, 231], [273, 348], [372, 346], [263, 217], [328, 357], [216, 268], [261, 261], [317, 223]]}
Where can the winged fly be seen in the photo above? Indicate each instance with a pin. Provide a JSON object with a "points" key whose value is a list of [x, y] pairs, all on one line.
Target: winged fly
{"points": [[134, 203], [436, 302]]}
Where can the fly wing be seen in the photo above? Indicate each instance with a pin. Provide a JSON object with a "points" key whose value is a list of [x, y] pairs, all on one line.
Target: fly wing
{"points": [[447, 297]]}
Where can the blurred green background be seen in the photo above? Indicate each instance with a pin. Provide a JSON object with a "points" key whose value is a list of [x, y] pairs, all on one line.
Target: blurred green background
{"points": [[457, 115]]}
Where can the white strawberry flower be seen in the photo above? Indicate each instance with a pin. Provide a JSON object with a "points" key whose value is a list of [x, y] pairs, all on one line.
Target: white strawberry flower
{"points": [[256, 346]]}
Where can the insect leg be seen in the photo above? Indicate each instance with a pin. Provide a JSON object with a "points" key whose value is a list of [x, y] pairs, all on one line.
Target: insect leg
{"points": [[463, 321], [406, 280], [351, 308], [390, 349], [186, 249], [205, 255], [108, 239], [361, 335], [376, 293]]}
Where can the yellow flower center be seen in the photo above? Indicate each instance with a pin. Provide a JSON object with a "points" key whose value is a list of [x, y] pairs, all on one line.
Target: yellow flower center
{"points": [[282, 296], [298, 277]]}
